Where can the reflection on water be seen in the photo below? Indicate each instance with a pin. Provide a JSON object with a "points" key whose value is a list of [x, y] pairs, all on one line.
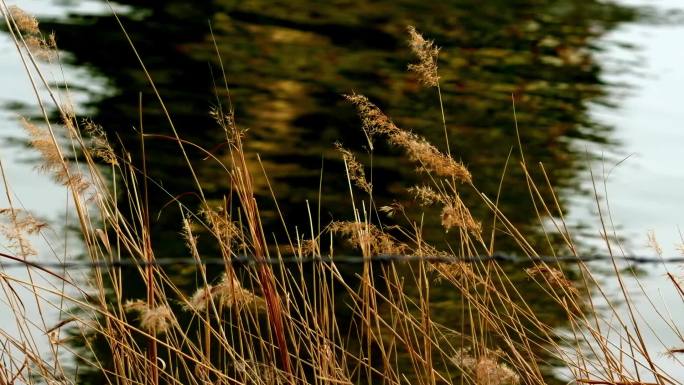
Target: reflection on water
{"points": [[288, 62]]}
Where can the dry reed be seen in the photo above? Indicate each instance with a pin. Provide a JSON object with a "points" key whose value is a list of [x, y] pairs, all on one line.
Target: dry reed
{"points": [[262, 324], [355, 169], [427, 53], [419, 150]]}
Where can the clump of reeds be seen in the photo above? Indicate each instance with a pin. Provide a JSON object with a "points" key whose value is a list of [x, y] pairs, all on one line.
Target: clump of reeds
{"points": [[268, 322]]}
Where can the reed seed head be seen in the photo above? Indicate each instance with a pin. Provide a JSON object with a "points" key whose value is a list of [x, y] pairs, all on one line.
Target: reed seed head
{"points": [[426, 196], [221, 226], [355, 169], [419, 150], [486, 370], [653, 243], [43, 48], [455, 214], [200, 299], [391, 210], [16, 226], [229, 292], [157, 319], [53, 162], [367, 235], [99, 145], [553, 276], [25, 22], [154, 320], [427, 53]]}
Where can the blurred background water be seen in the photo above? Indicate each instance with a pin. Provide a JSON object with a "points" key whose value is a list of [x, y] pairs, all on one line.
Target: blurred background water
{"points": [[645, 190], [596, 84]]}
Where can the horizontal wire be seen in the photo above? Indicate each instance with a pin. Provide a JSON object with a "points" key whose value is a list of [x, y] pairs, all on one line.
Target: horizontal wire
{"points": [[15, 262]]}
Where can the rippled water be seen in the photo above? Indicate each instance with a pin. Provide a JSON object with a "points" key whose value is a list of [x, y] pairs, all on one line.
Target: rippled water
{"points": [[31, 190], [645, 190]]}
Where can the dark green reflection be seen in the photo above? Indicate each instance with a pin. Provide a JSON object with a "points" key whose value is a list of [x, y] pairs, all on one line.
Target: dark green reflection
{"points": [[288, 63]]}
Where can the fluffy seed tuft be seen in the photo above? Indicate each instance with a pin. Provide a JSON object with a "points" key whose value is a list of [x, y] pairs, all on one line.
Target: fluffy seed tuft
{"points": [[455, 214], [356, 171], [53, 163], [553, 276], [154, 320], [427, 53], [25, 22], [229, 292], [487, 370], [426, 196], [16, 225], [366, 235], [99, 145], [419, 150], [226, 294]]}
